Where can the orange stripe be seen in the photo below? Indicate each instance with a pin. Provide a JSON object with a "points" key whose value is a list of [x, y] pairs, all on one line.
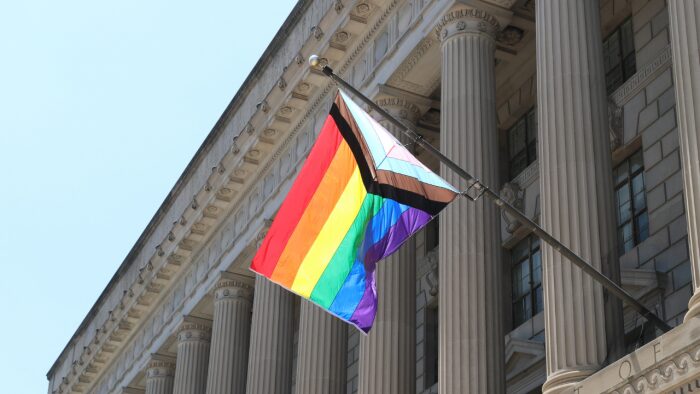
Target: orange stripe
{"points": [[315, 215]]}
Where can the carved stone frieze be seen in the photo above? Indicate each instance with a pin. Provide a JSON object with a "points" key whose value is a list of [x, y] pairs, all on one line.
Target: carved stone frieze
{"points": [[663, 376]]}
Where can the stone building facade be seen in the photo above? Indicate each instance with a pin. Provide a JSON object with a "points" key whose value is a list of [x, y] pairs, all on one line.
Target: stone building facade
{"points": [[583, 113]]}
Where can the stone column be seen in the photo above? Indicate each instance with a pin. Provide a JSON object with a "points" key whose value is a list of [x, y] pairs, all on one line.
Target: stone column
{"points": [[388, 353], [230, 339], [271, 340], [471, 346], [322, 352], [576, 191], [684, 16], [159, 375], [192, 356]]}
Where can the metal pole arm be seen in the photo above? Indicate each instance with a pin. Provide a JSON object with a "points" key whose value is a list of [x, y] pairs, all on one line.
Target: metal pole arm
{"points": [[476, 184]]}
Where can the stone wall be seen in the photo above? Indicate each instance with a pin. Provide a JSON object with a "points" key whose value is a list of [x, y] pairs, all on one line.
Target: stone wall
{"points": [[649, 114]]}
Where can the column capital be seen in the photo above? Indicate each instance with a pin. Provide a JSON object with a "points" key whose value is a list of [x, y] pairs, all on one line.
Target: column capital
{"points": [[463, 19], [234, 286], [194, 329], [160, 366], [400, 108]]}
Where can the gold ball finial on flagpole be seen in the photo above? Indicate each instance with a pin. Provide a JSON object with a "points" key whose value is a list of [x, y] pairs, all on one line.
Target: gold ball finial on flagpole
{"points": [[314, 60]]}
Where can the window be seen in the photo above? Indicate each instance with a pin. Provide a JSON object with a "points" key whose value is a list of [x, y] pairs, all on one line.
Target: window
{"points": [[522, 143], [526, 276], [632, 217], [618, 56]]}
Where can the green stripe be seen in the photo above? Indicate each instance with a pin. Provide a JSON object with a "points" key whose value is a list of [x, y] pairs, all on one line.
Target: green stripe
{"points": [[338, 268]]}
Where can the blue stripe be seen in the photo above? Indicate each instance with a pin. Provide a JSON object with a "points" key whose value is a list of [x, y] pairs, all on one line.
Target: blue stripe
{"points": [[350, 293]]}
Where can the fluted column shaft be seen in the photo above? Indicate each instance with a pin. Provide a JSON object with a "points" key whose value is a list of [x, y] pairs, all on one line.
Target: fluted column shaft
{"points": [[271, 340], [159, 377], [388, 353], [471, 350], [228, 359], [684, 16], [322, 352], [575, 189], [192, 358]]}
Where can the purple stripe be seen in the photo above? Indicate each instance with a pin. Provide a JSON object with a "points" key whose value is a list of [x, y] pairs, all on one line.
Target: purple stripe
{"points": [[410, 221]]}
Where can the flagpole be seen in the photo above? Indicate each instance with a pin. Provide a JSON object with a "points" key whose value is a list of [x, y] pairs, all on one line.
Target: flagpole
{"points": [[483, 190]]}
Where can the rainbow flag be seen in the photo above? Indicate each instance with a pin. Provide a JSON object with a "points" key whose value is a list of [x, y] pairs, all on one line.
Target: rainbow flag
{"points": [[358, 197]]}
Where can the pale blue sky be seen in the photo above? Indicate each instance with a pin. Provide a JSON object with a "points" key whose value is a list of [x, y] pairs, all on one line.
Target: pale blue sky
{"points": [[102, 105]]}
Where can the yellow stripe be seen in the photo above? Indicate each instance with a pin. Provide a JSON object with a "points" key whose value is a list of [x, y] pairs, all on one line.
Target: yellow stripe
{"points": [[330, 236]]}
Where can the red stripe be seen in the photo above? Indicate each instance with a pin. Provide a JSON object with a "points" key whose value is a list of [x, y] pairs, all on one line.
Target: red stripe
{"points": [[298, 198]]}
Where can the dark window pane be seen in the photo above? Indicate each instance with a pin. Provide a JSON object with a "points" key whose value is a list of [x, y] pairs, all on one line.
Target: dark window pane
{"points": [[625, 213], [519, 313], [531, 152], [614, 78], [527, 300], [638, 183], [642, 223], [623, 194], [532, 126], [536, 268], [629, 66], [522, 143], [618, 56], [640, 203], [636, 162], [539, 300], [520, 251], [517, 138], [518, 164], [612, 51], [521, 279], [627, 231], [620, 173]]}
